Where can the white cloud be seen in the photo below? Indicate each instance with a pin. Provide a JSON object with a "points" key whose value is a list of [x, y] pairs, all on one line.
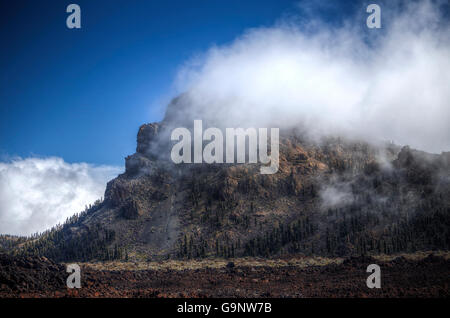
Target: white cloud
{"points": [[336, 195], [38, 193], [389, 84]]}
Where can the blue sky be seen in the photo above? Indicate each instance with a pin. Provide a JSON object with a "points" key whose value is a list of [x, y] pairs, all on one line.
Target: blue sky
{"points": [[82, 94]]}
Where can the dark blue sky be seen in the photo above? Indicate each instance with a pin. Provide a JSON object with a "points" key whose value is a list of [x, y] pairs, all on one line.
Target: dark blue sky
{"points": [[82, 94]]}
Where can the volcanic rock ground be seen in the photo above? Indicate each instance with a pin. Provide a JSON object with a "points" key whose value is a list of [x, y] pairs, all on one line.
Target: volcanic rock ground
{"points": [[401, 277]]}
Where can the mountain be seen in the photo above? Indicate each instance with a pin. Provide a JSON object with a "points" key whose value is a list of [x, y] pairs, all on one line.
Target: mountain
{"points": [[331, 196]]}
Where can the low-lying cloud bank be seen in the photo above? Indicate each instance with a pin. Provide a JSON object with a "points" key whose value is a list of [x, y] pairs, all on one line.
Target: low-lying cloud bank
{"points": [[386, 84], [37, 193]]}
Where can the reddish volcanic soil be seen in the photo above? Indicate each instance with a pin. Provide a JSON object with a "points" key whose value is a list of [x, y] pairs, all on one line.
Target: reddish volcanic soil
{"points": [[429, 277]]}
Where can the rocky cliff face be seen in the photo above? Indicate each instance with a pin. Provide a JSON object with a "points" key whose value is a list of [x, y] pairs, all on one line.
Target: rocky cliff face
{"points": [[329, 197]]}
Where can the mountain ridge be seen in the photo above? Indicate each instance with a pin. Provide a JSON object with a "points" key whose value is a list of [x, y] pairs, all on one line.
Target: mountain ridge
{"points": [[332, 197]]}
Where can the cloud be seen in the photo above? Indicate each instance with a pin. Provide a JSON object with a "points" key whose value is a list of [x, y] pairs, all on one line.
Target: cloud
{"points": [[387, 84], [336, 195], [38, 193]]}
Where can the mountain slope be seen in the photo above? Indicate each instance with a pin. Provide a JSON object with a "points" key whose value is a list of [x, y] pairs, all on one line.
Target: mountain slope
{"points": [[331, 196]]}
